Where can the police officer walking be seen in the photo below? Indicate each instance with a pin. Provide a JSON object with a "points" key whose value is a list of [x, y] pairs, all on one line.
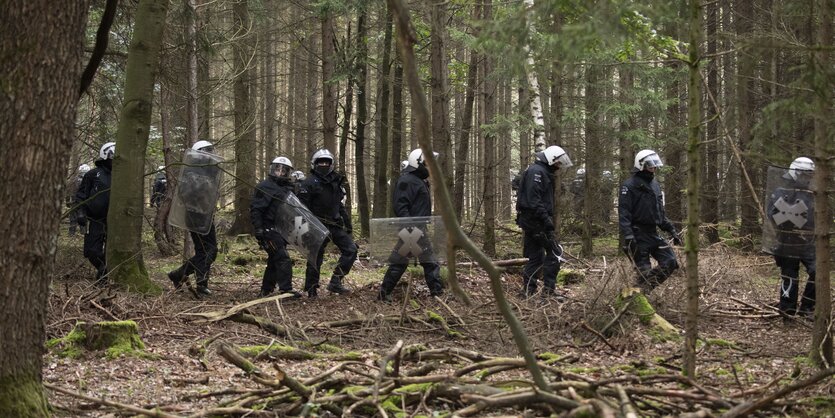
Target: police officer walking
{"points": [[640, 212], [412, 198], [269, 195], [93, 201], [322, 192], [159, 187], [791, 212], [205, 245], [535, 213], [82, 170]]}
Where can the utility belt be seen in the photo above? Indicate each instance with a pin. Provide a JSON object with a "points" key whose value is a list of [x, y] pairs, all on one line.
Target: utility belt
{"points": [[646, 228]]}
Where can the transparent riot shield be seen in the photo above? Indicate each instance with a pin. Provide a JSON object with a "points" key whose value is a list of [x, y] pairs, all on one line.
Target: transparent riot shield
{"points": [[198, 189], [300, 228], [404, 240], [789, 225]]}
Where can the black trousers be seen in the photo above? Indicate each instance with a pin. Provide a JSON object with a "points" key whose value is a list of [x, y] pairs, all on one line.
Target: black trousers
{"points": [[205, 253], [279, 269], [789, 284], [540, 261], [348, 250], [398, 265], [651, 245], [95, 241]]}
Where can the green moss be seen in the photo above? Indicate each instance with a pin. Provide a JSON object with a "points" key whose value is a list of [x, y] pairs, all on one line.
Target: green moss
{"points": [[325, 348], [278, 351], [119, 338], [721, 372], [22, 396], [720, 342], [651, 371], [414, 388], [570, 276], [70, 345], [581, 370], [435, 317], [549, 357], [131, 273], [413, 303]]}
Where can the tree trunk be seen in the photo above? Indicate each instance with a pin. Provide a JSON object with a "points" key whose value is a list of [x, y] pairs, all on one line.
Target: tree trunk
{"points": [[244, 120], [489, 193], [362, 120], [594, 143], [124, 218], [271, 129], [710, 179], [440, 96], [821, 350], [163, 233], [396, 126], [745, 109], [37, 115], [328, 84], [533, 85], [312, 141], [694, 121], [463, 148], [383, 163]]}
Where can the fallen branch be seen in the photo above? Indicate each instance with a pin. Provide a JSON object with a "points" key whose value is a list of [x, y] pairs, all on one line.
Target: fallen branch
{"points": [[102, 401], [750, 407]]}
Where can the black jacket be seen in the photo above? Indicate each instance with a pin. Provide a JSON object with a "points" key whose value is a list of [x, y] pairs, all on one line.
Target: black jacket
{"points": [[411, 196], [535, 201], [323, 196], [94, 192], [268, 196], [641, 207]]}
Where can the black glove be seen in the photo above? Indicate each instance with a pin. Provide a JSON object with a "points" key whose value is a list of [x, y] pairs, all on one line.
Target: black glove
{"points": [[263, 242], [549, 224], [630, 247], [676, 238], [81, 219]]}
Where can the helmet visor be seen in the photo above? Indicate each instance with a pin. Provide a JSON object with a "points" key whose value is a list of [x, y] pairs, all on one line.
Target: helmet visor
{"points": [[280, 170], [563, 161], [652, 161]]}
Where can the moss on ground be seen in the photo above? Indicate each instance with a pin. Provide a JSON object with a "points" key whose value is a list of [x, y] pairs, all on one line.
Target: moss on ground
{"points": [[117, 339], [22, 396]]}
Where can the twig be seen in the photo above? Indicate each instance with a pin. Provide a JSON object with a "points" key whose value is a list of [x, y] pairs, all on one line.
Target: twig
{"points": [[750, 407], [102, 401], [598, 335], [625, 405]]}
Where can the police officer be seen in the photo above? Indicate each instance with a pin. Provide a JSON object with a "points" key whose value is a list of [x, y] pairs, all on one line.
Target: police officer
{"points": [[640, 212], [269, 195], [535, 213], [412, 198], [795, 243], [159, 187], [205, 245], [93, 201], [322, 192]]}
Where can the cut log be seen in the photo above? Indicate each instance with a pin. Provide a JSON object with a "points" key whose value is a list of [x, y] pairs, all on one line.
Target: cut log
{"points": [[119, 338]]}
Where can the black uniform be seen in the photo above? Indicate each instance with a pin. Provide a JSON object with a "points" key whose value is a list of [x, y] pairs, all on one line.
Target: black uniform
{"points": [[205, 245], [93, 200], [73, 215], [268, 196], [535, 213], [640, 211], [412, 198], [323, 194], [795, 246], [158, 190]]}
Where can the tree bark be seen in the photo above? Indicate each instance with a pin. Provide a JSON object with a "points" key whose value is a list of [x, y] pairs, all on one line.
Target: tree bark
{"points": [[362, 119], [438, 82], [463, 146], [489, 94], [383, 163], [37, 115], [127, 203], [745, 108], [594, 169], [245, 143], [396, 126], [328, 84], [694, 121], [710, 179]]}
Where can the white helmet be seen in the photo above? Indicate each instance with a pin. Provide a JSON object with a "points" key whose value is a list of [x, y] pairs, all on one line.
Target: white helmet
{"points": [[160, 168], [647, 159], [802, 164], [83, 168], [297, 175], [581, 172], [404, 164], [205, 146], [282, 163], [107, 151], [322, 154], [416, 157], [554, 155]]}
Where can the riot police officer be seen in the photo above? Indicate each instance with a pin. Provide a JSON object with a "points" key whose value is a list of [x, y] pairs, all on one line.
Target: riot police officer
{"points": [[159, 187], [535, 213], [640, 212], [93, 201], [73, 189], [412, 198], [322, 192], [791, 209], [205, 245], [269, 194]]}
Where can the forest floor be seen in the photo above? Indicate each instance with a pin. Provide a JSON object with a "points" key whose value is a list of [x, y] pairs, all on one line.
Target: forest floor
{"points": [[746, 351]]}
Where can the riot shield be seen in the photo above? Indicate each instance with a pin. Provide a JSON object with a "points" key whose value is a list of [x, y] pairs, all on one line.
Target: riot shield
{"points": [[198, 189], [300, 228], [404, 240], [789, 225]]}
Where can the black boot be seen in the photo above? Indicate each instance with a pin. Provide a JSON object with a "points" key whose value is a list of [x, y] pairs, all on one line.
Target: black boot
{"points": [[335, 286], [178, 277], [384, 296]]}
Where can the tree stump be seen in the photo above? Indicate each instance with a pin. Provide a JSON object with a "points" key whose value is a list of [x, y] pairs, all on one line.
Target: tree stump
{"points": [[636, 303], [115, 338]]}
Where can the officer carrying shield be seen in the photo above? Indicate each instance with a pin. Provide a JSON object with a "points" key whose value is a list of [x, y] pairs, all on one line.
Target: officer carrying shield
{"points": [[73, 189], [269, 195], [197, 195], [790, 212], [535, 213], [412, 198], [640, 212], [322, 192], [93, 201]]}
